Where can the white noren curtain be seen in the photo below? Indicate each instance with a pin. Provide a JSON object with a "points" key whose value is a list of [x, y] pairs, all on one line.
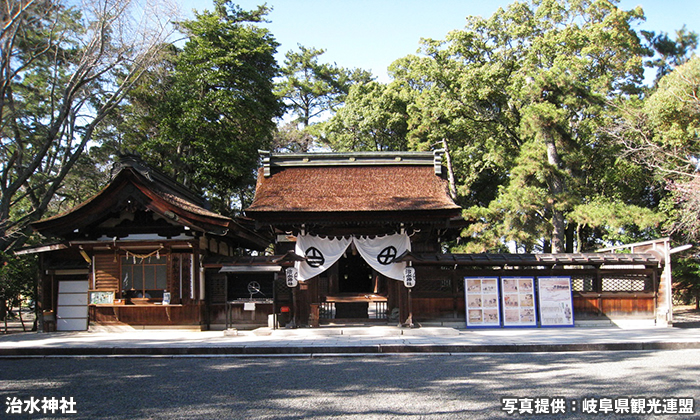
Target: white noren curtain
{"points": [[320, 253], [379, 252]]}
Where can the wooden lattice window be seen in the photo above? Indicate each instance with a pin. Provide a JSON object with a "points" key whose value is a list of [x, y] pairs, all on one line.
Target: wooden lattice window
{"points": [[628, 283], [144, 277], [583, 284]]}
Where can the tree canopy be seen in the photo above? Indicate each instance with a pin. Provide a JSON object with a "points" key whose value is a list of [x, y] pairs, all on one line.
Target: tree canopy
{"points": [[62, 70], [555, 142], [210, 106], [311, 91], [522, 99], [661, 132]]}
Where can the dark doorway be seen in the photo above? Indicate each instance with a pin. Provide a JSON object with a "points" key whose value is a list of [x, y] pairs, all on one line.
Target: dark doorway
{"points": [[355, 275], [249, 285]]}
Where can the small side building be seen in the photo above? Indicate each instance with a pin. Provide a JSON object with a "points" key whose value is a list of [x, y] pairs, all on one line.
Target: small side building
{"points": [[133, 253]]}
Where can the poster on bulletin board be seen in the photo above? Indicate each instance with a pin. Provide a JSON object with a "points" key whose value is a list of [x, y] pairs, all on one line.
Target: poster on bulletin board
{"points": [[101, 297], [518, 301], [555, 302], [481, 294]]}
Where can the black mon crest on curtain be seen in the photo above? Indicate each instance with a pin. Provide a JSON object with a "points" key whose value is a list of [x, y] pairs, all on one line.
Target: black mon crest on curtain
{"points": [[379, 252]]}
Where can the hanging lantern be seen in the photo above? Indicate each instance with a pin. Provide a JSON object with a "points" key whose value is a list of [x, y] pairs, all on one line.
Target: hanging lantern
{"points": [[292, 277], [409, 277]]}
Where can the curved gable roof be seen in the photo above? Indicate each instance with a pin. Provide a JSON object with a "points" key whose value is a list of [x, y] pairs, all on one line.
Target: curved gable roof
{"points": [[137, 185]]}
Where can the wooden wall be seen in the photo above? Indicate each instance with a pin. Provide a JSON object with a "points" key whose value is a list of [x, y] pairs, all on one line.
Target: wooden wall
{"points": [[592, 305], [146, 314], [439, 292], [217, 314], [107, 273]]}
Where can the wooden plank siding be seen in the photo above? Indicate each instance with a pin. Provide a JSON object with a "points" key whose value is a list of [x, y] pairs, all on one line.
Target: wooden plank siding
{"points": [[181, 311], [440, 293], [146, 314], [434, 307], [628, 306], [217, 313], [107, 272], [587, 306]]}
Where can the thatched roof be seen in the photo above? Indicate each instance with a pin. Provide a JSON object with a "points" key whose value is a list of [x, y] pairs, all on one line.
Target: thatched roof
{"points": [[351, 187], [357, 188]]}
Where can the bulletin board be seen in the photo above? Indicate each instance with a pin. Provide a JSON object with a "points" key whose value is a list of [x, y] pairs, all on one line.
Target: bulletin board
{"points": [[101, 297], [481, 294], [518, 301], [555, 302]]}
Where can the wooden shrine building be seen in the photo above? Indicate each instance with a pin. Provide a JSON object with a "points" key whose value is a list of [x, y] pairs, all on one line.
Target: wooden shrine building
{"points": [[134, 253], [355, 220], [326, 240], [350, 216]]}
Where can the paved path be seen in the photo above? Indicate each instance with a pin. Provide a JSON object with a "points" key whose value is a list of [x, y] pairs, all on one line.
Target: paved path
{"points": [[351, 340]]}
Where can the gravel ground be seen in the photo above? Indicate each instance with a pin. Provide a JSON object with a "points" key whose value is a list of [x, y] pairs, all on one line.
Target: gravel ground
{"points": [[469, 386]]}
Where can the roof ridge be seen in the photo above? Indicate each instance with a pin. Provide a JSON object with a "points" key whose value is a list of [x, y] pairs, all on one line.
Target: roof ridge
{"points": [[131, 160], [375, 158]]}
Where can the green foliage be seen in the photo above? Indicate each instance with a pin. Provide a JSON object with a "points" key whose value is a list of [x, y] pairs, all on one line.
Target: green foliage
{"points": [[521, 97], [18, 277], [674, 111], [669, 53], [205, 112], [310, 88], [28, 108], [686, 279], [64, 70], [614, 216], [661, 133], [312, 91], [290, 138], [374, 118], [554, 141]]}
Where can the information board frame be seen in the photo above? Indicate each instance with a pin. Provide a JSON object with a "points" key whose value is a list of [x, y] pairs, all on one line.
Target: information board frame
{"points": [[101, 297], [482, 302], [518, 302], [555, 301]]}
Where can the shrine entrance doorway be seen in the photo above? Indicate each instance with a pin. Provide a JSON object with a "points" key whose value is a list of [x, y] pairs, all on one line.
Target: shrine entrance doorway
{"points": [[355, 275], [360, 292]]}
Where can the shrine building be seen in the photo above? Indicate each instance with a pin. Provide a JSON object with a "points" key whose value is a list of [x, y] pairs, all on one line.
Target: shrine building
{"points": [[133, 253], [355, 221], [329, 239]]}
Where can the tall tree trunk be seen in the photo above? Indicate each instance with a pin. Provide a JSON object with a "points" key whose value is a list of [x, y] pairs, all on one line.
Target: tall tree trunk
{"points": [[556, 188], [3, 313], [570, 235], [546, 246], [19, 311], [450, 171]]}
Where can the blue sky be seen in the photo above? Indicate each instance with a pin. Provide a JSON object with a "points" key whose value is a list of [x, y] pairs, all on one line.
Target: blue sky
{"points": [[371, 34]]}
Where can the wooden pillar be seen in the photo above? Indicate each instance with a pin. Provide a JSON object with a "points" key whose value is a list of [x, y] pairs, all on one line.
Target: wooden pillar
{"points": [[403, 302], [598, 287], [302, 303], [455, 294]]}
